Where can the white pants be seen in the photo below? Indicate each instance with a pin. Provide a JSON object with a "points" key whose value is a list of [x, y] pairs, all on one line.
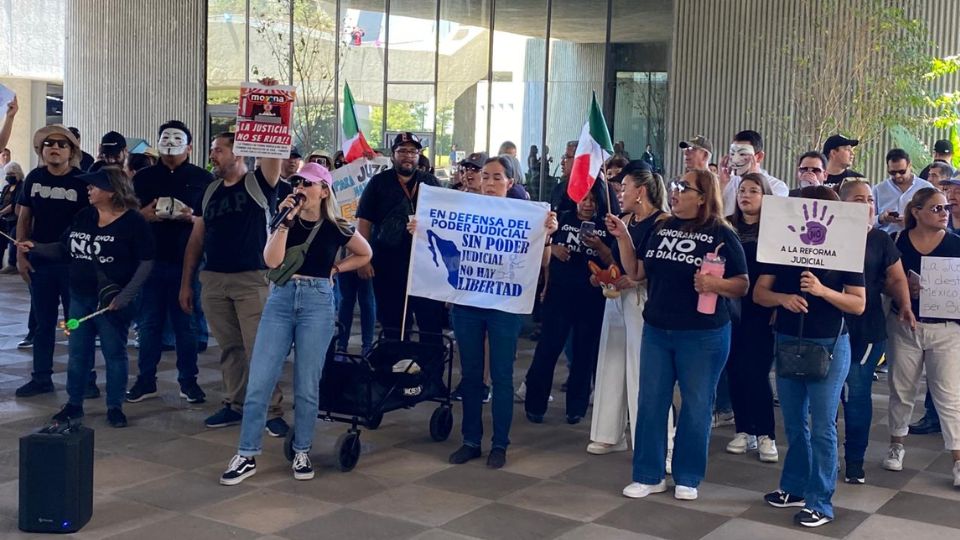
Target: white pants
{"points": [[935, 346], [618, 370]]}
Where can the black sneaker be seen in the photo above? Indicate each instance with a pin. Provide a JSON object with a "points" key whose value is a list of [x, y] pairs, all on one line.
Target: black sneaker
{"points": [[535, 418], [192, 392], [116, 418], [239, 469], [302, 468], [853, 474], [26, 343], [34, 388], [574, 419], [68, 414], [464, 454], [277, 427], [497, 458], [223, 418], [141, 390], [487, 394], [782, 499], [925, 426], [457, 395], [811, 518], [92, 391]]}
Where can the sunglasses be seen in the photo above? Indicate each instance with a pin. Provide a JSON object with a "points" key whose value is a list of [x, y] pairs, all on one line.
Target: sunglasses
{"points": [[901, 172], [814, 170], [683, 186], [298, 181], [940, 208], [59, 143]]}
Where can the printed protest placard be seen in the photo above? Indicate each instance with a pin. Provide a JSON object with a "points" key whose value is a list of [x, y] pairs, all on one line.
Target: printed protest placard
{"points": [[477, 250], [263, 120], [813, 234], [350, 180], [940, 287]]}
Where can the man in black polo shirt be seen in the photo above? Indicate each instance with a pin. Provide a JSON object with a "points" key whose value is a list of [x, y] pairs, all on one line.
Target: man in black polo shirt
{"points": [[383, 212], [230, 231], [50, 197], [168, 191], [839, 153]]}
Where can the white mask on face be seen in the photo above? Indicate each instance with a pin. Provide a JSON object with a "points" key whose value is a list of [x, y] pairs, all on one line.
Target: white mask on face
{"points": [[173, 142], [740, 158]]}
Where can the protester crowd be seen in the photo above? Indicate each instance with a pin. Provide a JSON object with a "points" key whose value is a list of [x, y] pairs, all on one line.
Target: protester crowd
{"points": [[158, 242]]}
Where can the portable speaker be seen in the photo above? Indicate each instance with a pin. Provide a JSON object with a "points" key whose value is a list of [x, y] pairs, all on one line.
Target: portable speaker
{"points": [[56, 481]]}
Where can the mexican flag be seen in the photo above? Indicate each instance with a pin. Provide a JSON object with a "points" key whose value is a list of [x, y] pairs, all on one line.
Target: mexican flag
{"points": [[593, 149], [354, 144]]}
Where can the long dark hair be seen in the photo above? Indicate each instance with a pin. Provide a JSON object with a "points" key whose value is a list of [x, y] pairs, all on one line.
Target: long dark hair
{"points": [[737, 217], [918, 201], [123, 196]]}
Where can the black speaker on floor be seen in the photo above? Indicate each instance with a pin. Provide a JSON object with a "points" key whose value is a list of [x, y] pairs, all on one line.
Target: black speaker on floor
{"points": [[56, 480]]}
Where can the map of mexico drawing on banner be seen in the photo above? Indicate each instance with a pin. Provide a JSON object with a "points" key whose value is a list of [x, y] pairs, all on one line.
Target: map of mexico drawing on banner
{"points": [[477, 250], [829, 235]]}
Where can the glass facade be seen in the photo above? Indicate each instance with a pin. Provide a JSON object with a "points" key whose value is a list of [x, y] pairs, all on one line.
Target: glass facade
{"points": [[467, 75]]}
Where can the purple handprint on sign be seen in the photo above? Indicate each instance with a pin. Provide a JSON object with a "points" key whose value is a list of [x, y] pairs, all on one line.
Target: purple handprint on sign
{"points": [[814, 231]]}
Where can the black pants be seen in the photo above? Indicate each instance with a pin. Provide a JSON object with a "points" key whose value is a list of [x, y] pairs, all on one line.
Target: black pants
{"points": [[389, 289], [748, 372], [566, 309]]}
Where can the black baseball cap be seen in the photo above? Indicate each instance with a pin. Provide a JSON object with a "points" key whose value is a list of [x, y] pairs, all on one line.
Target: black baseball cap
{"points": [[295, 153], [405, 138], [475, 160], [943, 146], [836, 141], [99, 179], [633, 166], [112, 143]]}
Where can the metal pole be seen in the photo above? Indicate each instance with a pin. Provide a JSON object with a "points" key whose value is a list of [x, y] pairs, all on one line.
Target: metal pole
{"points": [[544, 165]]}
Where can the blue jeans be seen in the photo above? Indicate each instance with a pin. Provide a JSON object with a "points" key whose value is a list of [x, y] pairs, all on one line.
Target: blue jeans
{"points": [[49, 286], [693, 359], [160, 300], [930, 408], [472, 326], [300, 312], [858, 404], [810, 468], [112, 327], [353, 290]]}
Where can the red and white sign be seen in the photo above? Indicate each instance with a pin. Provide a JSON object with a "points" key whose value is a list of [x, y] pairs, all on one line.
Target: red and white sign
{"points": [[263, 120]]}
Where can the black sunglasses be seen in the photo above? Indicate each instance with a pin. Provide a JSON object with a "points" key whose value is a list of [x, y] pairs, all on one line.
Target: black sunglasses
{"points": [[59, 143], [683, 186], [814, 170]]}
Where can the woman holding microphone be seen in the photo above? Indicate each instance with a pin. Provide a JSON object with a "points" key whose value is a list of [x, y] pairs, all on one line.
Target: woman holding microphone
{"points": [[686, 331], [299, 311]]}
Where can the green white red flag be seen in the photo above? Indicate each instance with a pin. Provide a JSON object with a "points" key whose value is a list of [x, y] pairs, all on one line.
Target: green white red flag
{"points": [[354, 144], [593, 149]]}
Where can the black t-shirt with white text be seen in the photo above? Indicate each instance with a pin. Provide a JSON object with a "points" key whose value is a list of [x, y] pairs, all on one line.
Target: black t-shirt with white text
{"points": [[671, 258], [186, 183], [322, 252], [822, 319], [871, 327], [54, 201], [575, 272], [101, 256], [387, 206], [639, 233], [236, 227], [949, 246], [834, 180]]}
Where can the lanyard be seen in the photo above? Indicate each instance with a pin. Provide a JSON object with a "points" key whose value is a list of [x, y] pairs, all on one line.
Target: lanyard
{"points": [[410, 194]]}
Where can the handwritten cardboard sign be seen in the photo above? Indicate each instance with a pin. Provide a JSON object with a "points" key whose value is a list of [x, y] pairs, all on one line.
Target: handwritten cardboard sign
{"points": [[940, 287]]}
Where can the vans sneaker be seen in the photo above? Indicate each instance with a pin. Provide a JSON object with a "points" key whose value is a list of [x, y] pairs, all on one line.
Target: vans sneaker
{"points": [[302, 468], [239, 469]]}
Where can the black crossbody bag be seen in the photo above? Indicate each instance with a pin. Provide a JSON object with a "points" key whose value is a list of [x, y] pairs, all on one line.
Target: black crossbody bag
{"points": [[804, 360]]}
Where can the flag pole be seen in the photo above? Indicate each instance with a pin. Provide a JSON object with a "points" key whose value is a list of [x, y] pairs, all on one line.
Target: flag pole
{"points": [[406, 291], [606, 187]]}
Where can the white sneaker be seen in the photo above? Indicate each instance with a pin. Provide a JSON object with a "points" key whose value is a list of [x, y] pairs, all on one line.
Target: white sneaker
{"points": [[768, 449], [637, 490], [894, 459], [669, 463], [685, 493], [956, 474], [742, 443], [723, 419], [599, 448], [520, 394]]}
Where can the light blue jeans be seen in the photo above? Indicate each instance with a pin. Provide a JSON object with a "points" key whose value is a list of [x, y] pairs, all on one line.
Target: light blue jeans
{"points": [[302, 312], [810, 468]]}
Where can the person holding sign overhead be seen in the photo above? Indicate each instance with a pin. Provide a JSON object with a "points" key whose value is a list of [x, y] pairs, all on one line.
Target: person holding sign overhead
{"points": [[934, 344], [693, 262], [810, 307]]}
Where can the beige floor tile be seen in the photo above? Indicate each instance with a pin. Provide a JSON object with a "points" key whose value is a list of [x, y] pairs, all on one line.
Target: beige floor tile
{"points": [[428, 506], [266, 511], [116, 472], [565, 500]]}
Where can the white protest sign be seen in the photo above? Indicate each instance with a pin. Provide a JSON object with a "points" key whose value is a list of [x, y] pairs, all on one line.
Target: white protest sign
{"points": [[940, 287], [813, 234], [477, 250], [350, 180]]}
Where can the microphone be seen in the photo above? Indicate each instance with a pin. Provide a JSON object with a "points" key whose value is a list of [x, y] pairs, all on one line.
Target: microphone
{"points": [[282, 214]]}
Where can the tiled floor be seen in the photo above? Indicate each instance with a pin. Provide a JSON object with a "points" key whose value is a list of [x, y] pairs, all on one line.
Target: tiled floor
{"points": [[157, 479]]}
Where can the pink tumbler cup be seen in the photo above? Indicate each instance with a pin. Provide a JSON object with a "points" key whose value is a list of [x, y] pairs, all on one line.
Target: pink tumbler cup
{"points": [[713, 265]]}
